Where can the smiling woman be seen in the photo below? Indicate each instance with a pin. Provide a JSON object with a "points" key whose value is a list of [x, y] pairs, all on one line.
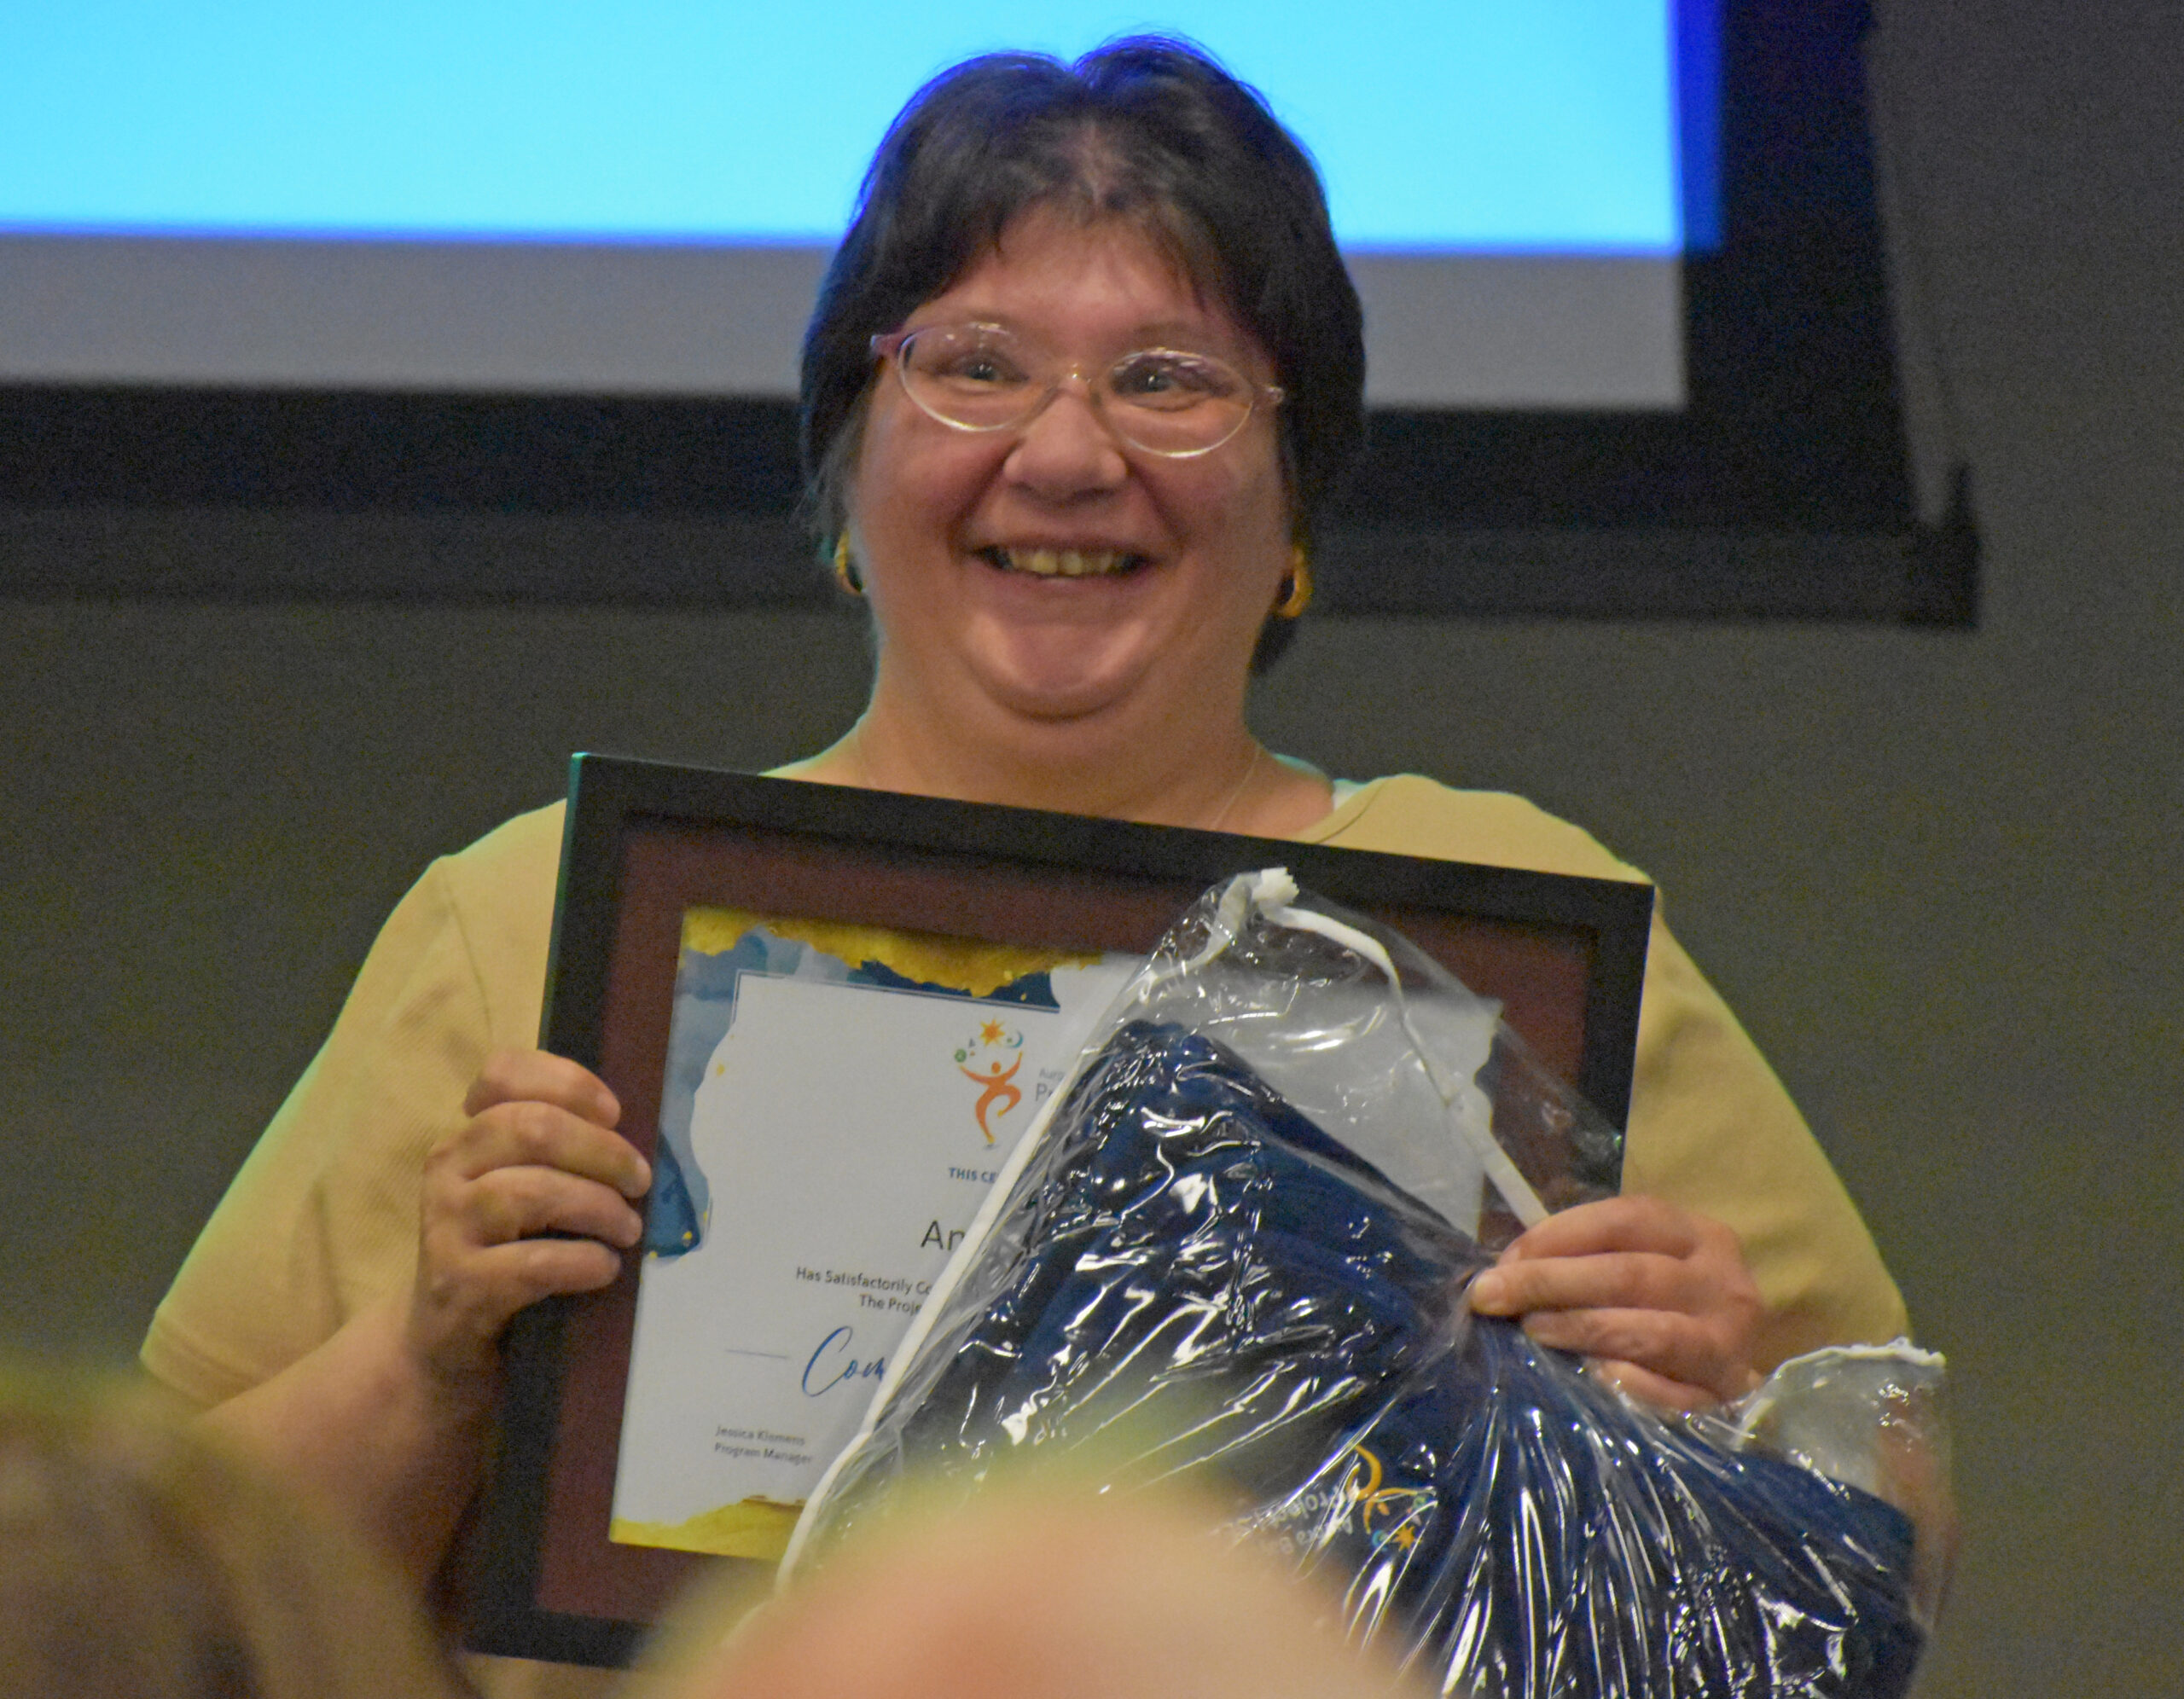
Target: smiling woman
{"points": [[1067, 618], [1080, 378], [1130, 366]]}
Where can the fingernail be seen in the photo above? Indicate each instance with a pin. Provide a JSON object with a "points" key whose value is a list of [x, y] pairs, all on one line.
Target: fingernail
{"points": [[1488, 1291]]}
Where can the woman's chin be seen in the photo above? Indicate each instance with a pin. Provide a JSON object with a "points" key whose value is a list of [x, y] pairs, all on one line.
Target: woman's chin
{"points": [[1057, 677], [1053, 701]]}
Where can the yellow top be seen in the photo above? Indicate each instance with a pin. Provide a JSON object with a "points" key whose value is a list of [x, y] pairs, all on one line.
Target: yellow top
{"points": [[322, 1218]]}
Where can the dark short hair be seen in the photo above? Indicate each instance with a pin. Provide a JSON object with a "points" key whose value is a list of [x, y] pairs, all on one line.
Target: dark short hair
{"points": [[1147, 129]]}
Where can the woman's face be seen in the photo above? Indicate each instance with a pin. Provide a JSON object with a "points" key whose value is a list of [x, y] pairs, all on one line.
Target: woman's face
{"points": [[958, 534]]}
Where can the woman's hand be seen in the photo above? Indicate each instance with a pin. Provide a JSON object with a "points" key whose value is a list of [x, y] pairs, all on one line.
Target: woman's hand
{"points": [[537, 1156], [387, 1417], [1658, 1296]]}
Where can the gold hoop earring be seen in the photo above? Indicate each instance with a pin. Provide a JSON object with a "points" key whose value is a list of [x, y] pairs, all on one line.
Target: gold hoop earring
{"points": [[846, 572], [1297, 588]]}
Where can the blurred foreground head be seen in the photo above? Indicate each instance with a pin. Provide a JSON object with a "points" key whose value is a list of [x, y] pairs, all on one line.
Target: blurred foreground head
{"points": [[137, 1562], [1045, 1595]]}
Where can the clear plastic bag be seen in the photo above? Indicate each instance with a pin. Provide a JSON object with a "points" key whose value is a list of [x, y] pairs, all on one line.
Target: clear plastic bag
{"points": [[1233, 1252]]}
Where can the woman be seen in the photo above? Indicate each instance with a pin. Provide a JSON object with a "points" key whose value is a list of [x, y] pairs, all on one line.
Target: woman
{"points": [[1078, 381]]}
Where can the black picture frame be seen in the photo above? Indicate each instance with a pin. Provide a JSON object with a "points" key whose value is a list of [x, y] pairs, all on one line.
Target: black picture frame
{"points": [[643, 841]]}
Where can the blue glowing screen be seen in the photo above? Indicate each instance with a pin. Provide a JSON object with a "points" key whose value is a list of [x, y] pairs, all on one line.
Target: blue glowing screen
{"points": [[1441, 126]]}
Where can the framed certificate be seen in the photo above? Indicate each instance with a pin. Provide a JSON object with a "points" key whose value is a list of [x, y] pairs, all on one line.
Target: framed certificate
{"points": [[829, 1014]]}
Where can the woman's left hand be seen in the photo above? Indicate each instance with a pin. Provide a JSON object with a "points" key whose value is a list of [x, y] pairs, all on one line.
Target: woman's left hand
{"points": [[1658, 1296]]}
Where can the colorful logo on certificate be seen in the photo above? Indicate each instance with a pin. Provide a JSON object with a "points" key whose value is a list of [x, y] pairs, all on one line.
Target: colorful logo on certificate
{"points": [[990, 1059]]}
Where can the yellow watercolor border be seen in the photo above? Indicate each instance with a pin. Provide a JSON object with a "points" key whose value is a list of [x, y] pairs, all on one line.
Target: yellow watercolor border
{"points": [[975, 966], [755, 1527]]}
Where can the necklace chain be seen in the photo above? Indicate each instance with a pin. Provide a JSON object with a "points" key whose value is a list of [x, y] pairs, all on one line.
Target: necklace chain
{"points": [[1250, 768]]}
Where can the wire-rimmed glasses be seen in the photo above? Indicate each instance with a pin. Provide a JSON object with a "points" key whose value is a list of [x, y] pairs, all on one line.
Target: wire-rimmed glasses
{"points": [[1170, 402]]}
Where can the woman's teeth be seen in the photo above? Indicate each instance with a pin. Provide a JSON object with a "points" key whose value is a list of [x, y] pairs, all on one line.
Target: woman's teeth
{"points": [[1062, 563]]}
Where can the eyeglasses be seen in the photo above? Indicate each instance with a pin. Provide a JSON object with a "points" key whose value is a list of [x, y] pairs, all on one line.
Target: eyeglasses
{"points": [[982, 377]]}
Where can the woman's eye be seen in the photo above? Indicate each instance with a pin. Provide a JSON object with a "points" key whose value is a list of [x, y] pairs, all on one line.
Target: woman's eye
{"points": [[1171, 380], [976, 367]]}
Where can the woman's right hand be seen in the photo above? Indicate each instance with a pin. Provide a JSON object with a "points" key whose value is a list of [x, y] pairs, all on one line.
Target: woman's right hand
{"points": [[537, 1156]]}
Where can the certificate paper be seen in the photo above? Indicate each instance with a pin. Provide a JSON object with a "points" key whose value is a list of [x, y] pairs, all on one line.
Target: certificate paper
{"points": [[838, 1101]]}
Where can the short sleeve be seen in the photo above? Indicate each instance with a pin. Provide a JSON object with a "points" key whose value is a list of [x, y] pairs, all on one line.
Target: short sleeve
{"points": [[1711, 1128], [322, 1219]]}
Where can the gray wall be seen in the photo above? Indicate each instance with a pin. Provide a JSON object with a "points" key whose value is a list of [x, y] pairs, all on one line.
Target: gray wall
{"points": [[1936, 873]]}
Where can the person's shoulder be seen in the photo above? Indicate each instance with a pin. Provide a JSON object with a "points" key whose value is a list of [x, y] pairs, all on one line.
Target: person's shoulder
{"points": [[497, 894], [1410, 814], [522, 852]]}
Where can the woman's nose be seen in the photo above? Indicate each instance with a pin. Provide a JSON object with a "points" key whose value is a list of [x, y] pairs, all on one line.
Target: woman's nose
{"points": [[1066, 448]]}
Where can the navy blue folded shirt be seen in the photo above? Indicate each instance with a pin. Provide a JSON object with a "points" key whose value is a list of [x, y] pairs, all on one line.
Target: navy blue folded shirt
{"points": [[1193, 1280]]}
